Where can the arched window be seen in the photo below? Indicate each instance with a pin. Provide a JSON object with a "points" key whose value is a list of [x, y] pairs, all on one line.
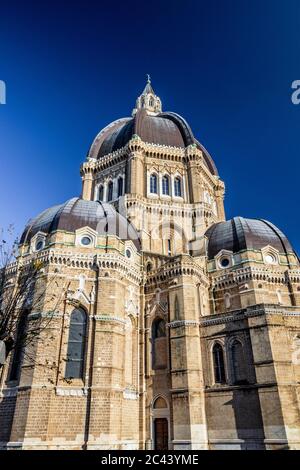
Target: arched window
{"points": [[110, 191], [76, 344], [101, 193], [279, 296], [120, 187], [149, 267], [16, 365], [160, 403], [159, 344], [176, 309], [153, 184], [207, 197], [238, 363], [227, 300], [151, 101], [169, 247], [177, 187], [219, 367], [165, 185]]}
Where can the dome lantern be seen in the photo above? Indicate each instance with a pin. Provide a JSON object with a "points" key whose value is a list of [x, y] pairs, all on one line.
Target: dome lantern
{"points": [[148, 100]]}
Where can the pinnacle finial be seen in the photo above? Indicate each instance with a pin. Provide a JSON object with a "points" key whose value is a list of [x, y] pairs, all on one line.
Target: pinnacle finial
{"points": [[148, 99]]}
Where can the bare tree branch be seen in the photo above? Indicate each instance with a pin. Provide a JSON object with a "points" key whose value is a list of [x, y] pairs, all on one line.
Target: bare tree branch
{"points": [[28, 290]]}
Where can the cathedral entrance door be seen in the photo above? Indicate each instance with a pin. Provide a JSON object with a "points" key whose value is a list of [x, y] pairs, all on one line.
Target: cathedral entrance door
{"points": [[161, 433]]}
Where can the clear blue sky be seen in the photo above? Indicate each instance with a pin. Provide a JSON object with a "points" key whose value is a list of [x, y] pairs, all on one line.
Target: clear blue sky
{"points": [[226, 65]]}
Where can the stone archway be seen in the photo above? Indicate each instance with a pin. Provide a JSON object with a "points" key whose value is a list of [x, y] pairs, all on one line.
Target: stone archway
{"points": [[160, 424]]}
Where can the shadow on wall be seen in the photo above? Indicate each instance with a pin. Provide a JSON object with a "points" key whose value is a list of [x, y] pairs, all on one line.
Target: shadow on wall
{"points": [[250, 410], [7, 410]]}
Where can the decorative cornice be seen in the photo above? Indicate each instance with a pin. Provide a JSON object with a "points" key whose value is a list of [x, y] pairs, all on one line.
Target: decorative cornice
{"points": [[37, 315], [242, 274], [177, 266], [107, 318], [254, 311], [179, 323]]}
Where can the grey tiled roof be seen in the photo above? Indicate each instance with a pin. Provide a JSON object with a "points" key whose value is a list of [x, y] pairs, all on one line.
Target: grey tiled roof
{"points": [[239, 234], [164, 129], [77, 213]]}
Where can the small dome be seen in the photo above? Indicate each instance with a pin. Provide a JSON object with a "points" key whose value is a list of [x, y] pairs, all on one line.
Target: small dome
{"points": [[163, 129], [77, 213], [241, 234]]}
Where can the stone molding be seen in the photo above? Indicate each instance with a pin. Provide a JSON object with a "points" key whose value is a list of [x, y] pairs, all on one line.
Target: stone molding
{"points": [[71, 392], [243, 314], [9, 392], [178, 323], [107, 318]]}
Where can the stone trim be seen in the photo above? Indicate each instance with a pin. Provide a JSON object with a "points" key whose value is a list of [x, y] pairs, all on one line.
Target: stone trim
{"points": [[226, 318], [178, 323], [130, 394], [73, 392], [37, 315], [109, 319], [9, 392], [241, 315]]}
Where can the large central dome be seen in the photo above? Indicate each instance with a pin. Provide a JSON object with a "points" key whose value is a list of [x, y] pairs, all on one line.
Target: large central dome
{"points": [[152, 126]]}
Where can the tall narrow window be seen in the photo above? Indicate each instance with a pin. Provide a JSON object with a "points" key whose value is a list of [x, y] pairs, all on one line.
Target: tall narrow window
{"points": [[176, 309], [149, 267], [120, 187], [238, 363], [76, 344], [159, 329], [128, 353], [153, 184], [177, 187], [227, 299], [219, 368], [16, 365], [110, 191], [165, 185], [279, 296], [159, 344], [101, 192], [169, 248]]}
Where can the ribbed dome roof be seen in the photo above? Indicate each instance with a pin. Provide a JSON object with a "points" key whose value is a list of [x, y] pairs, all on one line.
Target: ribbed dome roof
{"points": [[240, 234], [77, 213], [164, 129]]}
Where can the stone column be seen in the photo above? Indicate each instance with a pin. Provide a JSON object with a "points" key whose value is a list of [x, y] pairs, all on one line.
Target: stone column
{"points": [[189, 422], [220, 193], [137, 174], [87, 177]]}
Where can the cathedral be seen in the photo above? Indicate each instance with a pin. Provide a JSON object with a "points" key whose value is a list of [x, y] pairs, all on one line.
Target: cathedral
{"points": [[176, 328]]}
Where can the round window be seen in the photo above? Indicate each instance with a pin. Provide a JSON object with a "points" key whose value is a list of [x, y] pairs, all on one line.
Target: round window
{"points": [[86, 241], [128, 253], [39, 245], [270, 259], [225, 262]]}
